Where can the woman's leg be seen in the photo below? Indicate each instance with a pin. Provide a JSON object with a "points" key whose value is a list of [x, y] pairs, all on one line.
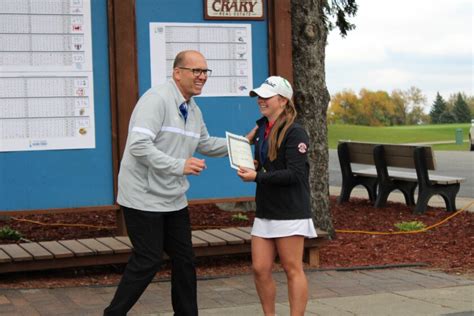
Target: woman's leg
{"points": [[290, 250], [263, 256]]}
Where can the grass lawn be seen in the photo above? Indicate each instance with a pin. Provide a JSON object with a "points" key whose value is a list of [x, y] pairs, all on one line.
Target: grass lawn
{"points": [[448, 147], [401, 134]]}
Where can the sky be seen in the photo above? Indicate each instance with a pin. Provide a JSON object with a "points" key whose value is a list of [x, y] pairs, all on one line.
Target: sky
{"points": [[402, 43]]}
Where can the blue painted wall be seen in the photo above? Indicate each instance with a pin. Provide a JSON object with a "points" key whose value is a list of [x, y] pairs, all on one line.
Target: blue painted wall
{"points": [[234, 114], [78, 178], [67, 178]]}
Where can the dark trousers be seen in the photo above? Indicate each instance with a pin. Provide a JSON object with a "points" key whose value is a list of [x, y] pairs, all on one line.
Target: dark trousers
{"points": [[150, 234]]}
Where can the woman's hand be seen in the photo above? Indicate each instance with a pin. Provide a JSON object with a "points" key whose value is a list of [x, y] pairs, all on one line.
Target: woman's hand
{"points": [[246, 174]]}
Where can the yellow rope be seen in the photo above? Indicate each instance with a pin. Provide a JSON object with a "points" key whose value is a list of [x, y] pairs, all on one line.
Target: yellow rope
{"points": [[62, 224], [91, 226], [404, 232]]}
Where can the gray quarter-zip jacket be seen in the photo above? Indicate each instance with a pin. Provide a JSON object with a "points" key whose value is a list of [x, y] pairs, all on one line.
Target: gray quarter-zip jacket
{"points": [[159, 142]]}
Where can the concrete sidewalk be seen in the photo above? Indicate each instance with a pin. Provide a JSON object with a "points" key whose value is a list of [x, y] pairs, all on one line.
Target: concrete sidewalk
{"points": [[407, 291]]}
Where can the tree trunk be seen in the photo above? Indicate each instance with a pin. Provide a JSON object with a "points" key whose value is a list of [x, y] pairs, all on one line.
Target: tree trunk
{"points": [[309, 37]]}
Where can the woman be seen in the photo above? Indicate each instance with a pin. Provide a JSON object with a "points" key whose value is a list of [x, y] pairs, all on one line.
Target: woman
{"points": [[283, 216]]}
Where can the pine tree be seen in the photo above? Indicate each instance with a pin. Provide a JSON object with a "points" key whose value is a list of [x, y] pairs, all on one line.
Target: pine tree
{"points": [[461, 110], [438, 108], [447, 118]]}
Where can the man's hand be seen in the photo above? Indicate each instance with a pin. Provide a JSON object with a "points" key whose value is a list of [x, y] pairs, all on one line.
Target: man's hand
{"points": [[251, 135], [255, 164], [246, 174], [194, 166]]}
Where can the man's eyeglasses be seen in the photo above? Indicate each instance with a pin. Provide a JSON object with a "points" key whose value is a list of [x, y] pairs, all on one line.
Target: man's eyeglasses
{"points": [[197, 71]]}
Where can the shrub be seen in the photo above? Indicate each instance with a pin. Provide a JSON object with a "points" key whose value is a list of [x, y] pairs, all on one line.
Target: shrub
{"points": [[9, 233], [240, 217], [410, 226]]}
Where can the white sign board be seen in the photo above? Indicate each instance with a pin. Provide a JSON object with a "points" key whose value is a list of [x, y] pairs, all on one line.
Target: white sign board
{"points": [[233, 10], [227, 48], [46, 79]]}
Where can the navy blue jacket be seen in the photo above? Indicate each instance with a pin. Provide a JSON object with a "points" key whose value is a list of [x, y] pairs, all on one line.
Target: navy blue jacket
{"points": [[283, 184]]}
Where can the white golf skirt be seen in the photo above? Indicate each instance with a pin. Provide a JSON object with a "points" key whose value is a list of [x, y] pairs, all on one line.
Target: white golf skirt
{"points": [[273, 228]]}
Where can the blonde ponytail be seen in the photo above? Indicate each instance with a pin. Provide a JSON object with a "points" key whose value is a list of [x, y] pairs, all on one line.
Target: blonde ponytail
{"points": [[282, 123]]}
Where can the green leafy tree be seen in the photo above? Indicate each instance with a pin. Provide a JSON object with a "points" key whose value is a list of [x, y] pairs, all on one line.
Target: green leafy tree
{"points": [[461, 110], [311, 21], [470, 103], [400, 107], [417, 116], [439, 107], [416, 101], [407, 105]]}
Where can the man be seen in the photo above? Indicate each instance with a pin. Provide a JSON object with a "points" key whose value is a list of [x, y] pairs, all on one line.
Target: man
{"points": [[165, 130]]}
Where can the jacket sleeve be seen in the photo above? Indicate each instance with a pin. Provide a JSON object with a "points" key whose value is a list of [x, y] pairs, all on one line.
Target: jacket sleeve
{"points": [[211, 146], [145, 125], [295, 160]]}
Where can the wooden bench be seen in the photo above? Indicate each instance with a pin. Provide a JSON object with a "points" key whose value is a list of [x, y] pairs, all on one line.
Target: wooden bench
{"points": [[360, 153], [418, 159], [114, 250]]}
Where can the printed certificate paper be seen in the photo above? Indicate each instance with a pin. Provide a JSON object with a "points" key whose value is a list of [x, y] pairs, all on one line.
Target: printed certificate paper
{"points": [[240, 153]]}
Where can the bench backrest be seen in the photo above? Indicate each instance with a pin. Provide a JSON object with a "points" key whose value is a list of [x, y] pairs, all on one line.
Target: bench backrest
{"points": [[396, 155]]}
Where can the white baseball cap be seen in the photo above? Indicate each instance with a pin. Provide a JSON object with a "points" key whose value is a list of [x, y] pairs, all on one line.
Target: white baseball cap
{"points": [[272, 86]]}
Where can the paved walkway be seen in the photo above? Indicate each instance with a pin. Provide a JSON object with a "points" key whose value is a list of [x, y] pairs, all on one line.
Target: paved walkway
{"points": [[407, 291]]}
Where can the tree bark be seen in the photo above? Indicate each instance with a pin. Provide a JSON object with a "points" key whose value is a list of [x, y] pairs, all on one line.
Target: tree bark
{"points": [[309, 37]]}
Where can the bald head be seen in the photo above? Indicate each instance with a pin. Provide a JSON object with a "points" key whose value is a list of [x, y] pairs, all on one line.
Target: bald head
{"points": [[182, 57]]}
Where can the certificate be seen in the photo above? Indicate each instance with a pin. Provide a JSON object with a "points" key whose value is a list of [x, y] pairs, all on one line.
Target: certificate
{"points": [[240, 153]]}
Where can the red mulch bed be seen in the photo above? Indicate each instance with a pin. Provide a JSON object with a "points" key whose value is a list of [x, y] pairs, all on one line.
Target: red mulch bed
{"points": [[447, 247]]}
